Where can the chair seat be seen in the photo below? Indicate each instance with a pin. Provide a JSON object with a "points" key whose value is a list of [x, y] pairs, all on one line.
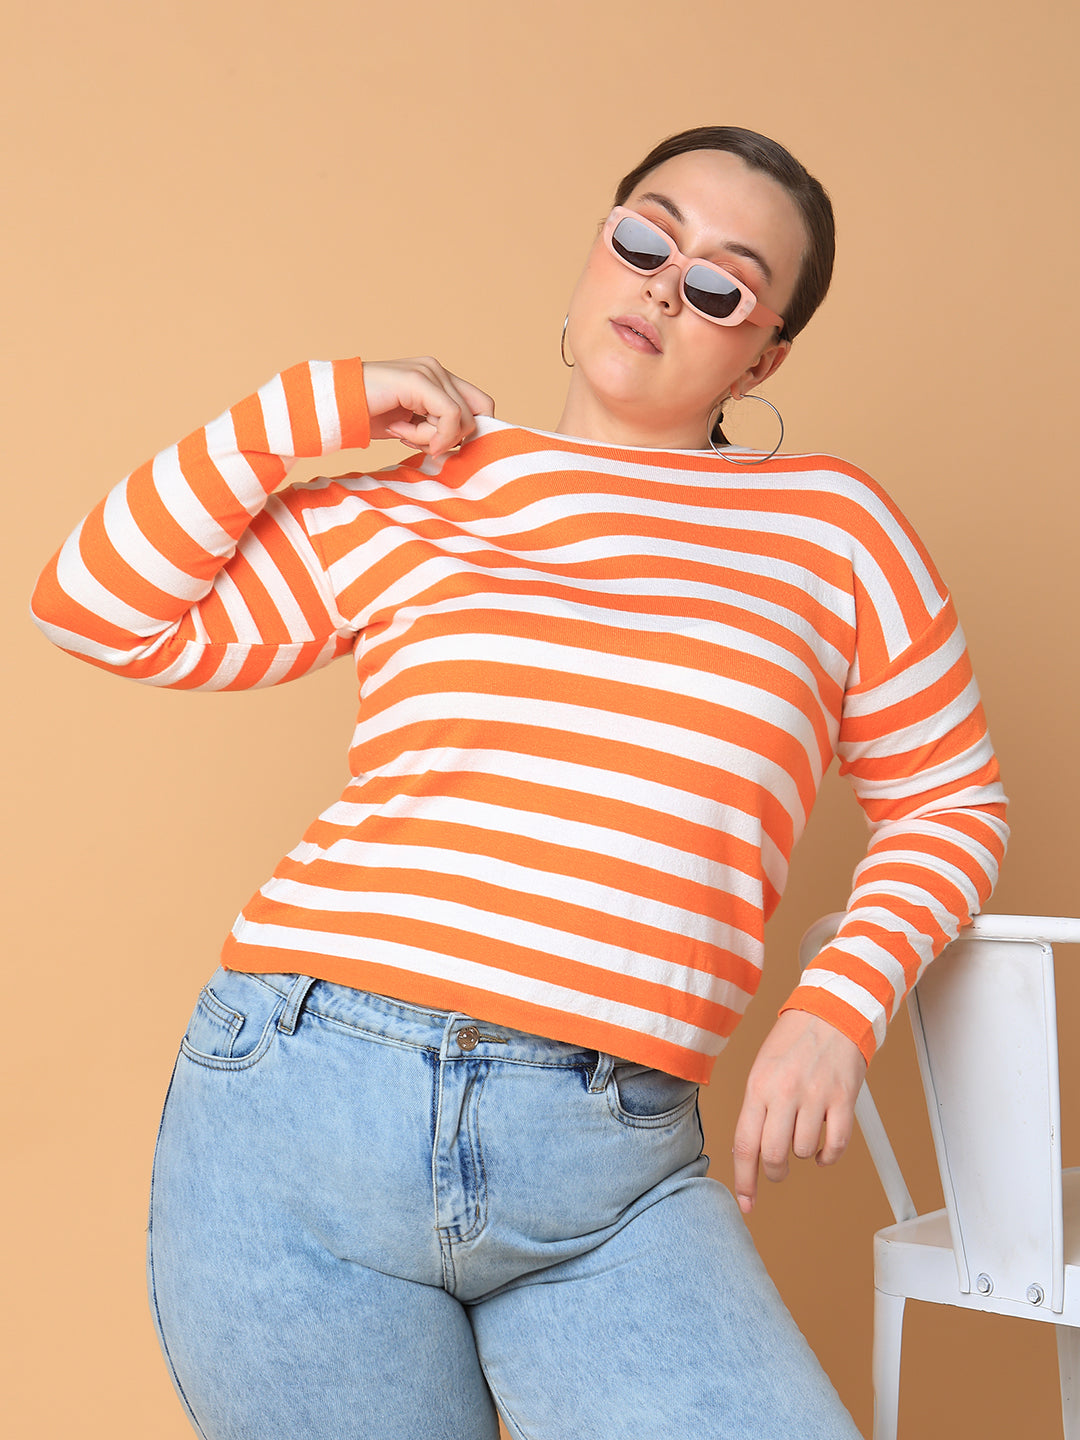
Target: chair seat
{"points": [[915, 1259]]}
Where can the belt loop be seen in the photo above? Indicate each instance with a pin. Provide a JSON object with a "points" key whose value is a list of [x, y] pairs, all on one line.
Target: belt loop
{"points": [[602, 1074], [296, 997]]}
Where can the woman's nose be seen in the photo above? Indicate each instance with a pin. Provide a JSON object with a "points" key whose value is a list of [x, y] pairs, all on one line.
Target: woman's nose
{"points": [[662, 287]]}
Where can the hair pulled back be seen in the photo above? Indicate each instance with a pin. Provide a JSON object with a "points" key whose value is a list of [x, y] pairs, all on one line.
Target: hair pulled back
{"points": [[761, 153]]}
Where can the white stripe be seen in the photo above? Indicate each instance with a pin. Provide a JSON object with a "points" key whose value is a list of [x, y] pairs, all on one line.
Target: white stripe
{"points": [[916, 940], [855, 996], [826, 482], [285, 602], [511, 930], [231, 661], [935, 777], [537, 565], [186, 658], [876, 957], [233, 466], [515, 651], [76, 644], [186, 508], [606, 611], [563, 888], [909, 829], [275, 411], [326, 409], [554, 830], [79, 584], [133, 547], [455, 708], [864, 898], [279, 667], [917, 736], [235, 607], [911, 681], [300, 541], [577, 779], [922, 861]]}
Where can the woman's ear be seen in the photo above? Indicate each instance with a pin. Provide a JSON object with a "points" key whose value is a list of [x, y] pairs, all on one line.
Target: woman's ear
{"points": [[769, 361]]}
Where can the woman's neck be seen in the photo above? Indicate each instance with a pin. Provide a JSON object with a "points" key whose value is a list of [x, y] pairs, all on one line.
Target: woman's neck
{"points": [[586, 418]]}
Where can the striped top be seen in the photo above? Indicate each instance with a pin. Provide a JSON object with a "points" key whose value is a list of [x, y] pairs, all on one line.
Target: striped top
{"points": [[598, 691]]}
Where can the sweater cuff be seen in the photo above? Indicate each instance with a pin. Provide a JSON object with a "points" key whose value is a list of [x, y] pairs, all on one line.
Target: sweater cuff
{"points": [[837, 1013], [352, 404]]}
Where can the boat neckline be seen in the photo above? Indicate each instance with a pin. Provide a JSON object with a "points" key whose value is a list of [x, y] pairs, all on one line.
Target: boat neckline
{"points": [[485, 424]]}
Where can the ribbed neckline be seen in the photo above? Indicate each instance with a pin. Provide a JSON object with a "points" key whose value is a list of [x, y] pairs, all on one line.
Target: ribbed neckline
{"points": [[487, 424]]}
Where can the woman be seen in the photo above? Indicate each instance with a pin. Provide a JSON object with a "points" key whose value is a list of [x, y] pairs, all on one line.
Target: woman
{"points": [[432, 1138]]}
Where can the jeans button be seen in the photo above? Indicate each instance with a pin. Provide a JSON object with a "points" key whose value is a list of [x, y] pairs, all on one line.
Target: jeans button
{"points": [[469, 1038]]}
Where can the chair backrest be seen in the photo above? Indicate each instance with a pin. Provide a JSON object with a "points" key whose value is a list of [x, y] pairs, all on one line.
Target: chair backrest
{"points": [[985, 1027], [984, 1021]]}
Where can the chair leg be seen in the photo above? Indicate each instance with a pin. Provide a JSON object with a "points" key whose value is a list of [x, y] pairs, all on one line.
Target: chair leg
{"points": [[1068, 1343], [888, 1335]]}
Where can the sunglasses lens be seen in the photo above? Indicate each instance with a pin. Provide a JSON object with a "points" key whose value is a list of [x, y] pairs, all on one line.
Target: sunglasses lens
{"points": [[639, 246], [710, 292]]}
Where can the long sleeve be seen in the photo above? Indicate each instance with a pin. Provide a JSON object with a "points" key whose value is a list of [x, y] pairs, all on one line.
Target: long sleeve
{"points": [[191, 573], [914, 744]]}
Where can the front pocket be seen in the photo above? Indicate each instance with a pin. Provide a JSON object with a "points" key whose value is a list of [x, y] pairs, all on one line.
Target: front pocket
{"points": [[234, 1021], [649, 1099]]}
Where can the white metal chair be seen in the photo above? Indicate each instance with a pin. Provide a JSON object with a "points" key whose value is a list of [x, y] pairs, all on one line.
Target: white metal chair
{"points": [[1008, 1240]]}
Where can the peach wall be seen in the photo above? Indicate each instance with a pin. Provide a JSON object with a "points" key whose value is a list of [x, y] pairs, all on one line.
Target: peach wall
{"points": [[198, 192]]}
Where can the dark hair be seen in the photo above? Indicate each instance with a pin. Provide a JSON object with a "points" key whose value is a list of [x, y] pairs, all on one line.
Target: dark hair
{"points": [[761, 153]]}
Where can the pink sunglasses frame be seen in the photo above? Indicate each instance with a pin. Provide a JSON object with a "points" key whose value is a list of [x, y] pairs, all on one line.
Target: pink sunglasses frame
{"points": [[749, 307]]}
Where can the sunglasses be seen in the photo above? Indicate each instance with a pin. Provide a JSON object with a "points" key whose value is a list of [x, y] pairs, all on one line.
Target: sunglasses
{"points": [[708, 290]]}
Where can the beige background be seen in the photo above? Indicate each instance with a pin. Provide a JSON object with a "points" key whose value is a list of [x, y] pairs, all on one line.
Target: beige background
{"points": [[198, 192]]}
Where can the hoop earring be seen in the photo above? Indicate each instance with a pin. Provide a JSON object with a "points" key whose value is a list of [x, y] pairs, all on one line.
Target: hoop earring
{"points": [[717, 413], [562, 344]]}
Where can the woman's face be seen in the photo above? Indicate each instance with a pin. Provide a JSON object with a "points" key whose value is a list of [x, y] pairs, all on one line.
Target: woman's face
{"points": [[715, 208]]}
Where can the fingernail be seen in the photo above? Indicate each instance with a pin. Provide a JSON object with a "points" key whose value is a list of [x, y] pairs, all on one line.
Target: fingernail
{"points": [[745, 1204]]}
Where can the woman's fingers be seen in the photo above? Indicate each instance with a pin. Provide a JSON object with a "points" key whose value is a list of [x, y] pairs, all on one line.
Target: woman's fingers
{"points": [[839, 1124], [800, 1100], [746, 1152], [479, 401], [421, 403]]}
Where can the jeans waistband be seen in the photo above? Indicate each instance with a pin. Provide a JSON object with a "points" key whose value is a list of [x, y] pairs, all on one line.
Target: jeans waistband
{"points": [[454, 1035]]}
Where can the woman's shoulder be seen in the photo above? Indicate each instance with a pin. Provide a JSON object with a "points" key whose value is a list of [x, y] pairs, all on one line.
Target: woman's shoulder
{"points": [[838, 486]]}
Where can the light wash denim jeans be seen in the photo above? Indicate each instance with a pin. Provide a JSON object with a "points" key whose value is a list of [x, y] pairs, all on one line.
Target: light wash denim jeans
{"points": [[371, 1219]]}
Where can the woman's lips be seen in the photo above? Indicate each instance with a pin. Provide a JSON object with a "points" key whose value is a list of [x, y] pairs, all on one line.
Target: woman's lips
{"points": [[638, 334]]}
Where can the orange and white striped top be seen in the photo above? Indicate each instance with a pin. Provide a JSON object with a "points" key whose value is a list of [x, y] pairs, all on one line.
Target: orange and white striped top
{"points": [[598, 691]]}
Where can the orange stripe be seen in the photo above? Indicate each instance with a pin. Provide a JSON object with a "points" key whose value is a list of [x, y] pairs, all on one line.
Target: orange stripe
{"points": [[53, 605], [604, 928], [210, 486], [529, 795], [109, 567], [249, 426], [163, 531], [921, 918], [620, 757], [303, 417], [294, 573], [352, 404], [865, 975]]}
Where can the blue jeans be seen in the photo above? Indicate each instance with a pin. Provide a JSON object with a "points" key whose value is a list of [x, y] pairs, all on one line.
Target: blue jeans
{"points": [[370, 1219]]}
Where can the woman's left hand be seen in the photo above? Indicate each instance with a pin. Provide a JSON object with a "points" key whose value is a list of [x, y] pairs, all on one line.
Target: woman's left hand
{"points": [[806, 1078]]}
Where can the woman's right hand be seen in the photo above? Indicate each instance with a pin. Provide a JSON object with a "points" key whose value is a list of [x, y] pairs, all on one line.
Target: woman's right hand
{"points": [[419, 403]]}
